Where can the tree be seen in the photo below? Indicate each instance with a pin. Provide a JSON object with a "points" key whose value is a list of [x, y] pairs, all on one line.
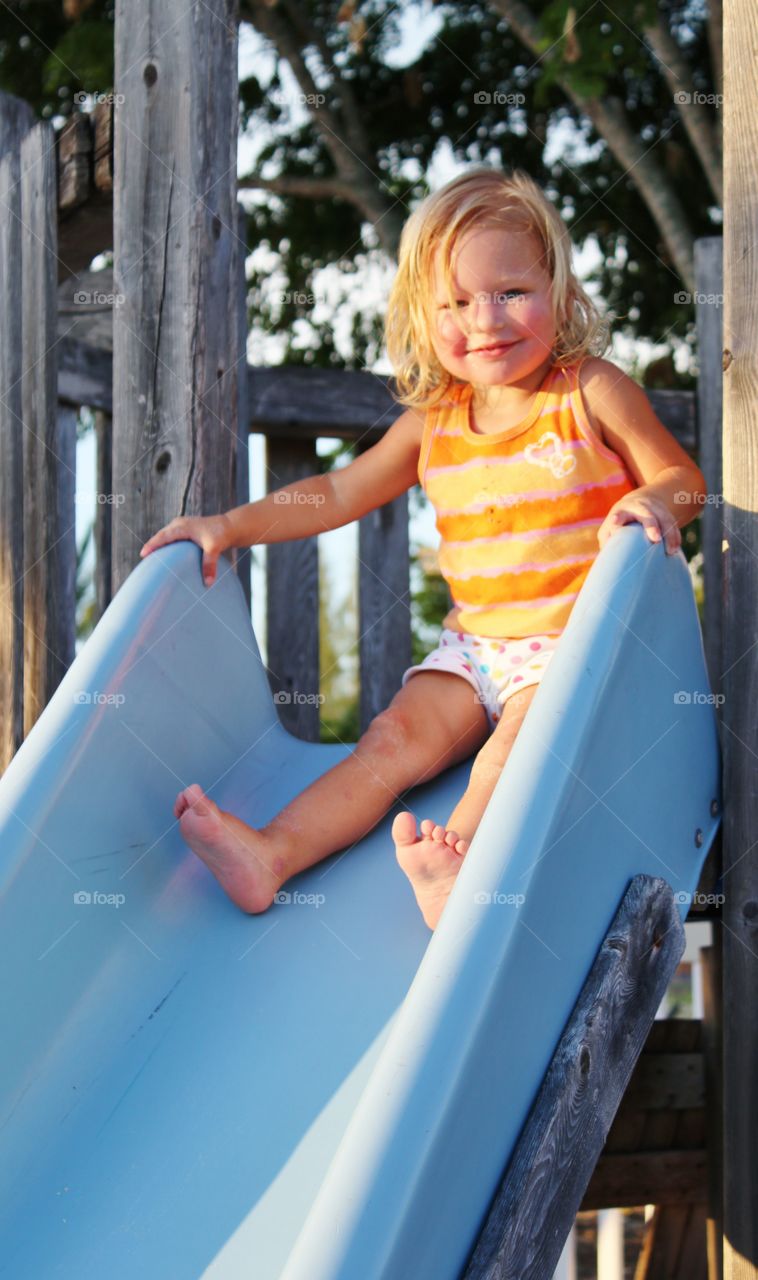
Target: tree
{"points": [[351, 135]]}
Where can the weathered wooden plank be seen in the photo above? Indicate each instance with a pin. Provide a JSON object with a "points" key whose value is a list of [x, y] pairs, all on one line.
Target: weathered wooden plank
{"points": [[84, 375], [16, 118], [175, 267], [740, 652], [543, 1187], [663, 1081], [652, 1177], [383, 605], [242, 465], [106, 499], [49, 441], [709, 317], [302, 403], [292, 615], [714, 1094]]}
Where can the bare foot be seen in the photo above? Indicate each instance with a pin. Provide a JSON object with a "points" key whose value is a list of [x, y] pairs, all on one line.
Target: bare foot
{"points": [[240, 857], [431, 862]]}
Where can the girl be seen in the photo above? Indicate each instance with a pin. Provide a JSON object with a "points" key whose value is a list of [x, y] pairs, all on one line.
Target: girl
{"points": [[533, 452]]}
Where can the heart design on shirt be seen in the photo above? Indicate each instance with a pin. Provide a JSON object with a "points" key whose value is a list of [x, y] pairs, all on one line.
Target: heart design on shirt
{"points": [[560, 463]]}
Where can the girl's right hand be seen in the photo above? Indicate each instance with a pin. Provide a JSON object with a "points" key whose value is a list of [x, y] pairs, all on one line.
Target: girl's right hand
{"points": [[211, 533]]}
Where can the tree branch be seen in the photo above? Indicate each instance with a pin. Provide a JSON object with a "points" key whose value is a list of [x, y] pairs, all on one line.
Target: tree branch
{"points": [[353, 160], [697, 123], [311, 188], [610, 121]]}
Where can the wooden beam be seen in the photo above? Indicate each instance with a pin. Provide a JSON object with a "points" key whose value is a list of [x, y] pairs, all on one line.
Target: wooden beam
{"points": [[309, 404], [543, 1187], [103, 512], [740, 652], [175, 398], [650, 1177], [714, 1094], [49, 441], [292, 613], [16, 119], [243, 557], [384, 617]]}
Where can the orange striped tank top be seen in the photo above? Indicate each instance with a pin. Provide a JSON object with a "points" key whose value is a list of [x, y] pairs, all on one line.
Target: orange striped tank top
{"points": [[518, 510]]}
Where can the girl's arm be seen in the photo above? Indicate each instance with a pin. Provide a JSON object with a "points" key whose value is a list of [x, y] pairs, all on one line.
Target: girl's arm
{"points": [[671, 488], [306, 507]]}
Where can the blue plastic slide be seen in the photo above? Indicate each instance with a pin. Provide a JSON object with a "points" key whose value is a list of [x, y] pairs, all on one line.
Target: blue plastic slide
{"points": [[326, 1091]]}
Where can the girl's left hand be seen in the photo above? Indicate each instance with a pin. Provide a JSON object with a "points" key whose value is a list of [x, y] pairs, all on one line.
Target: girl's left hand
{"points": [[651, 512]]}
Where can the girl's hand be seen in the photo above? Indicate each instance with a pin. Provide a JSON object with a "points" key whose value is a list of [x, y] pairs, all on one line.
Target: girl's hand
{"points": [[647, 510], [211, 533]]}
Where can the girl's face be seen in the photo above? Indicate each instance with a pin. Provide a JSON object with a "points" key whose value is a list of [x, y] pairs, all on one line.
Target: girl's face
{"points": [[502, 287]]}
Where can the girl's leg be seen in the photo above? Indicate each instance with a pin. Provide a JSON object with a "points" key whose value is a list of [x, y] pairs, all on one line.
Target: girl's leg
{"points": [[435, 721], [432, 860]]}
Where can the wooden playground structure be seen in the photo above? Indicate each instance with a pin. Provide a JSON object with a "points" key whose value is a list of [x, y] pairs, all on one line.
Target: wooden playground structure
{"points": [[175, 402]]}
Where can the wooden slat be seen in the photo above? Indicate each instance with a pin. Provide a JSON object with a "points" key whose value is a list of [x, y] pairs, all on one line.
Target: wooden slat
{"points": [[383, 605], [714, 1094], [653, 1177], [103, 511], [667, 1080], [302, 403], [740, 652], [292, 617], [16, 118], [49, 441], [84, 375], [242, 464], [542, 1189], [709, 317], [175, 267]]}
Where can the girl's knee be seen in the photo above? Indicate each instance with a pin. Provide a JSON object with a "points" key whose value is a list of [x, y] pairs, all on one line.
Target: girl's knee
{"points": [[392, 729]]}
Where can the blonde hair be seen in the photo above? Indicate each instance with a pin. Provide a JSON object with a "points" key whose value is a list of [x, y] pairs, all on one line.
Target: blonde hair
{"points": [[487, 197]]}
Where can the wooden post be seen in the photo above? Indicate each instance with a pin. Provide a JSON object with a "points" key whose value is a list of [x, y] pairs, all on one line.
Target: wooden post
{"points": [[176, 273], [709, 316], [49, 444], [383, 605], [740, 675], [243, 559], [714, 1099], [103, 530], [16, 119], [541, 1191], [292, 616]]}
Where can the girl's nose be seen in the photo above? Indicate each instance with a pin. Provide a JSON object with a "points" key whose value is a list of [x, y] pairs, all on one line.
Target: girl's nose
{"points": [[487, 312]]}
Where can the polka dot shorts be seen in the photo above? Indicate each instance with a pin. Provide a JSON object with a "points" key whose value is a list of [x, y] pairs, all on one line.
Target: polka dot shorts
{"points": [[494, 668]]}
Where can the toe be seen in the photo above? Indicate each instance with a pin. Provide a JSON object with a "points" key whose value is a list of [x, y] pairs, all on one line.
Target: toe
{"points": [[461, 846], [198, 801], [404, 829], [427, 827], [451, 838], [438, 834]]}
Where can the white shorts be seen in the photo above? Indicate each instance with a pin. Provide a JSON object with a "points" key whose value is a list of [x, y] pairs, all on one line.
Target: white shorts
{"points": [[495, 669]]}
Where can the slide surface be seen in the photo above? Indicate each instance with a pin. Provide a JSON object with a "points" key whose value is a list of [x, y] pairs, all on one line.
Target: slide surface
{"points": [[325, 1091]]}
